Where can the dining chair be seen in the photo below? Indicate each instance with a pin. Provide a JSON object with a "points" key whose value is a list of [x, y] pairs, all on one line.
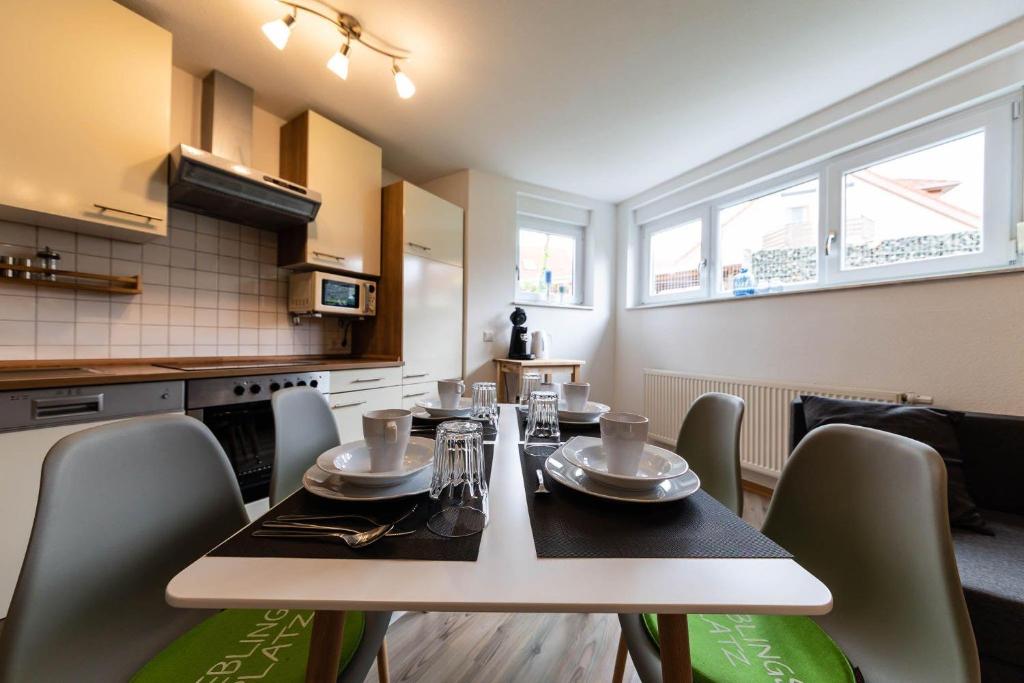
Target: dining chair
{"points": [[865, 512], [122, 509], [710, 441], [303, 429]]}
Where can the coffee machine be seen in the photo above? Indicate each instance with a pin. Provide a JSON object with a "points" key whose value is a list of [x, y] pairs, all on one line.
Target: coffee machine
{"points": [[519, 344]]}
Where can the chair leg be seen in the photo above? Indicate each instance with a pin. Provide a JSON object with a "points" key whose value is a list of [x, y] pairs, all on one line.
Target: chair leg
{"points": [[383, 673], [620, 660]]}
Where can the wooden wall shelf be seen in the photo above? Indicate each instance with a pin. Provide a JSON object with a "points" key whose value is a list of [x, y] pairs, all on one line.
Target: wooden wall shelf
{"points": [[91, 282]]}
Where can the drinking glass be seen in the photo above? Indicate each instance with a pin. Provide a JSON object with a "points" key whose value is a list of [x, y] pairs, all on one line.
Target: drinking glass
{"points": [[542, 435], [458, 489], [485, 402], [529, 382]]}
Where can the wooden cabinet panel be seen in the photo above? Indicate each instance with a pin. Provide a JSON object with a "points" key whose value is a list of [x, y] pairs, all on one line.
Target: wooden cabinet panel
{"points": [[346, 170], [348, 408], [433, 226], [86, 118]]}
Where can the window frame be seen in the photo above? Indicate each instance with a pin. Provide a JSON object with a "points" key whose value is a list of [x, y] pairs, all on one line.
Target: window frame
{"points": [[675, 220], [997, 202], [553, 227]]}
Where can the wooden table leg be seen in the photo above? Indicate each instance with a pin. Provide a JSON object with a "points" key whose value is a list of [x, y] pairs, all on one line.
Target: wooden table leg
{"points": [[383, 668], [675, 649], [620, 660], [325, 647]]}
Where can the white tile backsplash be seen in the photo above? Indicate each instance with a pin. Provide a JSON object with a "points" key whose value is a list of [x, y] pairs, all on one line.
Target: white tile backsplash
{"points": [[211, 288]]}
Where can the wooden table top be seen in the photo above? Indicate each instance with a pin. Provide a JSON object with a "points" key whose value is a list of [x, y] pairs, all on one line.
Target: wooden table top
{"points": [[539, 362]]}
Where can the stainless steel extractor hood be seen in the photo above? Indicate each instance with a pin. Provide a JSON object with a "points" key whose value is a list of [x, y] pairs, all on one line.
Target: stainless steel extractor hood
{"points": [[217, 179]]}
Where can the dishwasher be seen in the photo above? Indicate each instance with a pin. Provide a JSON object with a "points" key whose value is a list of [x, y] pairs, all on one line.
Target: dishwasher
{"points": [[33, 420]]}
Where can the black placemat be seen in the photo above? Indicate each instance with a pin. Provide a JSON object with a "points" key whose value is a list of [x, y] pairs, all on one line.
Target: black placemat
{"points": [[567, 524], [423, 545], [428, 428], [565, 430]]}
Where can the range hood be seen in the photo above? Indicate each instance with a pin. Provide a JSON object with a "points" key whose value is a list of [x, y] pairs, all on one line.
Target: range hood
{"points": [[217, 179]]}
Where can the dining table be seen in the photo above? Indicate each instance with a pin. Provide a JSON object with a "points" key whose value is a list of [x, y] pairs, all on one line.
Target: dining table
{"points": [[511, 570]]}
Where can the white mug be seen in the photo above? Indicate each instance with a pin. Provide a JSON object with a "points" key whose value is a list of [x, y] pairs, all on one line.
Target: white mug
{"points": [[386, 433], [576, 395], [450, 391], [623, 436]]}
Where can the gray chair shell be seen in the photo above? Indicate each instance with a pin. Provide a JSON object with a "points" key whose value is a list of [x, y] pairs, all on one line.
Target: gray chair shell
{"points": [[710, 441], [865, 512], [122, 509], [303, 429]]}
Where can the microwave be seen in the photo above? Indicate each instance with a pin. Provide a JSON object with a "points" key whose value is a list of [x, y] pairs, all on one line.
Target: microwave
{"points": [[331, 294]]}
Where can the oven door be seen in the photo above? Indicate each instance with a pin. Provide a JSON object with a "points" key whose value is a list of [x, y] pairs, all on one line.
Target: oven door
{"points": [[246, 432]]}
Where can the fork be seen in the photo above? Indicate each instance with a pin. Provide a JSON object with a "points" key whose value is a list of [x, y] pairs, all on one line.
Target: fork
{"points": [[357, 540], [314, 518], [305, 529], [541, 488]]}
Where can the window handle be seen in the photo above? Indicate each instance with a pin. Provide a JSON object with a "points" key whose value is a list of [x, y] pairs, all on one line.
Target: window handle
{"points": [[829, 242]]}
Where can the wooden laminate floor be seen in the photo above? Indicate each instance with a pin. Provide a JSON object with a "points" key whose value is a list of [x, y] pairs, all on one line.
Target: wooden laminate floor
{"points": [[439, 647]]}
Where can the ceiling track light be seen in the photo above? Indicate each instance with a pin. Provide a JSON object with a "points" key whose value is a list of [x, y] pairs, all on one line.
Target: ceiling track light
{"points": [[279, 30]]}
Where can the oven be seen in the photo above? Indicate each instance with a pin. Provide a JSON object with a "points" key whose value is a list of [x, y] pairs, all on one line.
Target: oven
{"points": [[237, 410]]}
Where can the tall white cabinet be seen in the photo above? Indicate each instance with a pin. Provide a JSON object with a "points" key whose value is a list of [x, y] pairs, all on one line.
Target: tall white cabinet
{"points": [[420, 303]]}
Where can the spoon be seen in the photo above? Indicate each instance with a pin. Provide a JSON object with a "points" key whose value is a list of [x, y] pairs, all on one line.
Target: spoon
{"points": [[357, 540], [541, 488]]}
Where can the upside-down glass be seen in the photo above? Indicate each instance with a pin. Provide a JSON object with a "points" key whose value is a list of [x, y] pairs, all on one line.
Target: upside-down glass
{"points": [[529, 382], [542, 435], [485, 402], [458, 489]]}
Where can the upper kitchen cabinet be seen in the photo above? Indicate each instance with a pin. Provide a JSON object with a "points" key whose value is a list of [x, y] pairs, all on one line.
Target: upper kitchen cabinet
{"points": [[433, 227], [346, 170], [85, 124]]}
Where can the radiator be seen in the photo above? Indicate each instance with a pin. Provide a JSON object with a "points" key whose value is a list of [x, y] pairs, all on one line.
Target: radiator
{"points": [[764, 438]]}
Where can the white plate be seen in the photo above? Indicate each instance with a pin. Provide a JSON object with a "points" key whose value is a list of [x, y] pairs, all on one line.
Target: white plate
{"points": [[351, 462], [656, 464], [325, 485], [574, 477], [434, 409], [590, 414]]}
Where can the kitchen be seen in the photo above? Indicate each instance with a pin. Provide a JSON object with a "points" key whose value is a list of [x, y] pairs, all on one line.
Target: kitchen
{"points": [[269, 240]]}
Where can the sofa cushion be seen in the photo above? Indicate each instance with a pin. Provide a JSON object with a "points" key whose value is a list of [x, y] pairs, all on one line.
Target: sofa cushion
{"points": [[931, 427], [992, 574], [993, 451]]}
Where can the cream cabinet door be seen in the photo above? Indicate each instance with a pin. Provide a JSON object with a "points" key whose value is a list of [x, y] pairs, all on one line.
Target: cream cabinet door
{"points": [[412, 393], [432, 320], [433, 226], [86, 118], [348, 408], [346, 170]]}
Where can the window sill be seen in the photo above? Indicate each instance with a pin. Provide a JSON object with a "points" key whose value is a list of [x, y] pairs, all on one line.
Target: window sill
{"points": [[546, 304], [1003, 270]]}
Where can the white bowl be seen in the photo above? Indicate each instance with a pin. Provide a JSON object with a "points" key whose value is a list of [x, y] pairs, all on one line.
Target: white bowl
{"points": [[591, 412], [433, 407], [351, 462], [656, 464]]}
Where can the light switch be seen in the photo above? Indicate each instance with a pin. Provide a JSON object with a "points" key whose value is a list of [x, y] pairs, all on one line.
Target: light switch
{"points": [[488, 335]]}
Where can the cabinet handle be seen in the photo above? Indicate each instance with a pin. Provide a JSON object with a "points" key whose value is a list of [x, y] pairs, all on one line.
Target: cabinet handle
{"points": [[417, 374], [359, 380], [422, 393], [104, 209], [325, 255], [347, 405], [418, 246]]}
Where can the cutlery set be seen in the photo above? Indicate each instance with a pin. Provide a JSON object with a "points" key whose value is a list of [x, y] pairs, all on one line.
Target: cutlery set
{"points": [[303, 527]]}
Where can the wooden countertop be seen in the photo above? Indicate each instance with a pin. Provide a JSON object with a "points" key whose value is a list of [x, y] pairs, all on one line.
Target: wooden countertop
{"points": [[48, 374]]}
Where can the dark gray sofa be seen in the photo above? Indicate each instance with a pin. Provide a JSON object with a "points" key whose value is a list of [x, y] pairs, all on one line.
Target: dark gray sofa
{"points": [[991, 567]]}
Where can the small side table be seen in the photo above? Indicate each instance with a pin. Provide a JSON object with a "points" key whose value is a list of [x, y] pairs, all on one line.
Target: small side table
{"points": [[508, 369]]}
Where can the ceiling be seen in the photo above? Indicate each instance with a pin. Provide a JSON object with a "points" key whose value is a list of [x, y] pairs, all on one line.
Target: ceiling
{"points": [[604, 98]]}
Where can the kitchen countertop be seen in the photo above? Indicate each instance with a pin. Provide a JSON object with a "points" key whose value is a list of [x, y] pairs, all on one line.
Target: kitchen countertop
{"points": [[43, 375]]}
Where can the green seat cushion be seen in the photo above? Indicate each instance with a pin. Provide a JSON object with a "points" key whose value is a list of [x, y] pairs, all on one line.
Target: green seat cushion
{"points": [[236, 644], [730, 648]]}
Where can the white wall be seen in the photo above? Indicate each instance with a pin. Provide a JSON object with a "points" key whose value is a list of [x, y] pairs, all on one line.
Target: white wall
{"points": [[958, 340], [490, 205]]}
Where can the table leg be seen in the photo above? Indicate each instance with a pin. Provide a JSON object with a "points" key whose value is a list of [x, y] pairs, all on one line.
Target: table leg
{"points": [[325, 647], [383, 668], [620, 660], [575, 373], [675, 649]]}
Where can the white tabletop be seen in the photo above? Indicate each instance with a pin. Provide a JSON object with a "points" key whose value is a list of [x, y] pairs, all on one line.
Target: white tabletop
{"points": [[507, 576]]}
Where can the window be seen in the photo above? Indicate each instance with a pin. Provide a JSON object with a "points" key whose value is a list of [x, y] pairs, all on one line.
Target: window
{"points": [[549, 264], [937, 199]]}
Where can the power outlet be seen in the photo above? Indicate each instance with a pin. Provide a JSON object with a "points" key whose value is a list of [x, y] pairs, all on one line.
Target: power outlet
{"points": [[488, 335]]}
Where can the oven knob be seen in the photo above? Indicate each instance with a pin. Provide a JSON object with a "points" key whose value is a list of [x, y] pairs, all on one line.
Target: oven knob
{"points": [[274, 386], [313, 383], [255, 389], [288, 384], [301, 382], [239, 390]]}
